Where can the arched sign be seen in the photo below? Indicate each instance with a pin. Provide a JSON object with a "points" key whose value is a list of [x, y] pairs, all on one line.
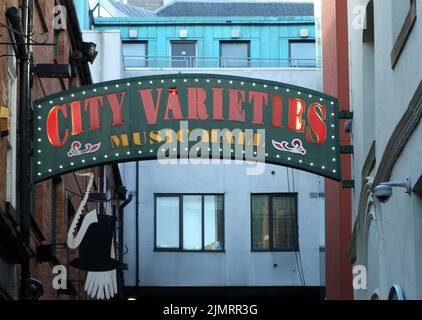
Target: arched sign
{"points": [[132, 119]]}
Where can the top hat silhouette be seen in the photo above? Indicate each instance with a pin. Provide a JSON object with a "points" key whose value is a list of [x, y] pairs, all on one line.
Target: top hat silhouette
{"points": [[95, 248]]}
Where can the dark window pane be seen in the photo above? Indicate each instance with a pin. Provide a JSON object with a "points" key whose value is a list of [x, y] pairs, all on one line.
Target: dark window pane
{"points": [[167, 228], [134, 54], [213, 223], [192, 223], [234, 54], [284, 223], [260, 225], [183, 54], [302, 54]]}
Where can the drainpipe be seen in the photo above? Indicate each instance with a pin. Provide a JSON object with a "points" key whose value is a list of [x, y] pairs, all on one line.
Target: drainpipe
{"points": [[137, 223], [121, 240], [383, 290], [21, 38]]}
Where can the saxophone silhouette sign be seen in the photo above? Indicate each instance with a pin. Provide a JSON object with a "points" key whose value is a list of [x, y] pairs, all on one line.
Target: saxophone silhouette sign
{"points": [[128, 120], [93, 238]]}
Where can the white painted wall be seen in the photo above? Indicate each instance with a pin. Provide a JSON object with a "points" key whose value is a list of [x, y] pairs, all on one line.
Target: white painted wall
{"points": [[238, 266], [400, 220], [109, 63], [309, 78]]}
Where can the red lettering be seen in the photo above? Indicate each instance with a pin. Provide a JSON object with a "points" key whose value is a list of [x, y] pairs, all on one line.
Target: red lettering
{"points": [[75, 110], [217, 95], [277, 111], [53, 131], [197, 109], [173, 105], [236, 113], [151, 110], [260, 99], [296, 110], [116, 107], [316, 116], [94, 104]]}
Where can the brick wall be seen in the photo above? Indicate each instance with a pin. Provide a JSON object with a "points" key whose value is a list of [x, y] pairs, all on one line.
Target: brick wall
{"points": [[11, 290], [69, 186], [53, 199], [4, 37]]}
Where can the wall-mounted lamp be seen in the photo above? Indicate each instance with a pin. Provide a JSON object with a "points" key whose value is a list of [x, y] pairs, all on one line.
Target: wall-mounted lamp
{"points": [[348, 126], [35, 288], [45, 252], [183, 33], [384, 191], [53, 70], [133, 33], [304, 33], [88, 53], [98, 197], [235, 33]]}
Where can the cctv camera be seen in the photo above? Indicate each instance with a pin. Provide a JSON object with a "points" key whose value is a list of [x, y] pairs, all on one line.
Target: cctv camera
{"points": [[89, 52], [383, 193], [348, 126], [35, 288]]}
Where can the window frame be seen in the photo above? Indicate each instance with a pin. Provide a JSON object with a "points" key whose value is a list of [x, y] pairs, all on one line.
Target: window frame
{"points": [[248, 58], [193, 62], [145, 42], [11, 194], [401, 40], [270, 221], [290, 52], [180, 248]]}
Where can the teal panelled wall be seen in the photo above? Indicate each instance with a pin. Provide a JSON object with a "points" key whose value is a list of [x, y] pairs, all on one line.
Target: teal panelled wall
{"points": [[82, 10], [269, 36]]}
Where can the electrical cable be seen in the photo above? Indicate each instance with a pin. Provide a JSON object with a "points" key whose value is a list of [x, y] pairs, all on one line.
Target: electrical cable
{"points": [[298, 252], [293, 226]]}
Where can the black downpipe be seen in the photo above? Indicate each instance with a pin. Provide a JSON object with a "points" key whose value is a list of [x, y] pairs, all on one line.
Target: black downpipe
{"points": [[12, 15], [21, 38], [137, 223], [101, 188], [121, 241]]}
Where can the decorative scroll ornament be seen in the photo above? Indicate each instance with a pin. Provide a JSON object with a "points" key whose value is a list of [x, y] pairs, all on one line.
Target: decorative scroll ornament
{"points": [[75, 149], [296, 147]]}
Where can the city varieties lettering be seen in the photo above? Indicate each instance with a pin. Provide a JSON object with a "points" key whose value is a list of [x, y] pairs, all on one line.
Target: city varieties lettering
{"points": [[124, 120]]}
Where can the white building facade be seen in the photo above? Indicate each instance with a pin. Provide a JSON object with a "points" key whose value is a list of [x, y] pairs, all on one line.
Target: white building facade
{"points": [[386, 97], [201, 225]]}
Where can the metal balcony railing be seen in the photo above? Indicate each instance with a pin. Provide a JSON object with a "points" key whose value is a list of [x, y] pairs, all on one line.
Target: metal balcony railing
{"points": [[139, 62]]}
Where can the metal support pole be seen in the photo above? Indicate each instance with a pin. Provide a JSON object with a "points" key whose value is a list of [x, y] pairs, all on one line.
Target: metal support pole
{"points": [[25, 145], [137, 223]]}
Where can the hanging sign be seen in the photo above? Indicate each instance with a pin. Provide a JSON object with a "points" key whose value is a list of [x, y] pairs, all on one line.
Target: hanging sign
{"points": [[137, 118]]}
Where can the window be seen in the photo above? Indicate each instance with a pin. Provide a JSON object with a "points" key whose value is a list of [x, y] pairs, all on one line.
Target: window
{"points": [[234, 54], [400, 11], [274, 222], [183, 54], [135, 54], [403, 20], [189, 222], [302, 54], [12, 92], [396, 293], [368, 32]]}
